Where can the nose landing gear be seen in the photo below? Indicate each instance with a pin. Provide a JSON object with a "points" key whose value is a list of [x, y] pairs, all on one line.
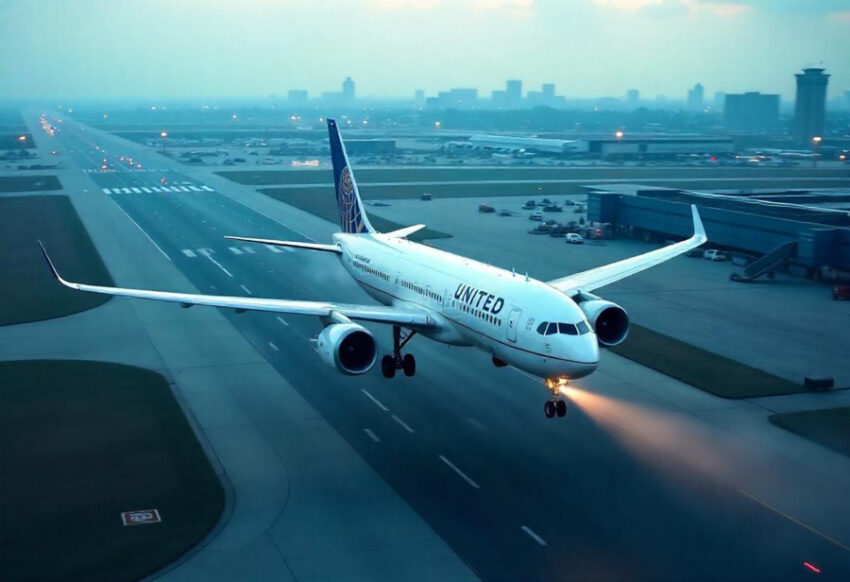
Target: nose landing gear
{"points": [[555, 406], [406, 363]]}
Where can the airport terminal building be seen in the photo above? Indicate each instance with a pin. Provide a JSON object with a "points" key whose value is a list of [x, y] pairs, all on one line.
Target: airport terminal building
{"points": [[806, 231]]}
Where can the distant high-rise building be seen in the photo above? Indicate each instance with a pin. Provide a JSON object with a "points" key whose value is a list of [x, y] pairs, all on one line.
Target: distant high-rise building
{"points": [[513, 93], [548, 90], [632, 97], [719, 100], [695, 97], [810, 107], [456, 99], [751, 111], [348, 89], [419, 97], [296, 97]]}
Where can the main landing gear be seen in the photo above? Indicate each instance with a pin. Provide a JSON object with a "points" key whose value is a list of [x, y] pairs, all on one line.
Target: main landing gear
{"points": [[407, 363], [555, 406]]}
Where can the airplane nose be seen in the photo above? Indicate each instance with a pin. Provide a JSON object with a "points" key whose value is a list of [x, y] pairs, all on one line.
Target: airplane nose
{"points": [[590, 349]]}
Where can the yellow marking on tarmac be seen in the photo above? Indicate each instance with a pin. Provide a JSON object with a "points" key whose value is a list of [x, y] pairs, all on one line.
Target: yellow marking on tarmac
{"points": [[822, 535]]}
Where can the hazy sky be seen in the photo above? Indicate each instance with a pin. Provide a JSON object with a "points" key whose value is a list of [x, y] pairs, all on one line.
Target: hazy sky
{"points": [[209, 48]]}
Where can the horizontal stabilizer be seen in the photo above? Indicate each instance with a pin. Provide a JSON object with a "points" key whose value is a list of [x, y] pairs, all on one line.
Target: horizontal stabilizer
{"points": [[293, 244], [404, 232]]}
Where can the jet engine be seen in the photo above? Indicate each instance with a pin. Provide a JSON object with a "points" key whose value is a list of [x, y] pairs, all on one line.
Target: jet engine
{"points": [[349, 347], [609, 320]]}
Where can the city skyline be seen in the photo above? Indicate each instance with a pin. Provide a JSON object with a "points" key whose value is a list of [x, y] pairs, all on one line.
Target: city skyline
{"points": [[587, 48]]}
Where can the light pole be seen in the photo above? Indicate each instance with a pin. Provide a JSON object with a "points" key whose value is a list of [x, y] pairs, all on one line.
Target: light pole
{"points": [[22, 140], [163, 135], [815, 146]]}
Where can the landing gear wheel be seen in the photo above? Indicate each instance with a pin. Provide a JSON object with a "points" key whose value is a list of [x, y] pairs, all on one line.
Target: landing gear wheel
{"points": [[549, 409], [388, 366], [561, 408], [408, 365]]}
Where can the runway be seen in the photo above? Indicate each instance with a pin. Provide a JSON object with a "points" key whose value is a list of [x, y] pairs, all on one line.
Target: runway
{"points": [[598, 495]]}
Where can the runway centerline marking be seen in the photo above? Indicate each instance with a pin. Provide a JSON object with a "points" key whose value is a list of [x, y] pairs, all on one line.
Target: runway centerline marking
{"points": [[802, 524], [462, 475], [375, 400], [144, 233], [403, 424], [280, 319], [248, 291], [533, 535], [372, 435], [206, 253]]}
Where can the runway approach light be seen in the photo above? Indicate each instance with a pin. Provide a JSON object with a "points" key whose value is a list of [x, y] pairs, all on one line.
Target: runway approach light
{"points": [[163, 134], [22, 138], [817, 139], [619, 134]]}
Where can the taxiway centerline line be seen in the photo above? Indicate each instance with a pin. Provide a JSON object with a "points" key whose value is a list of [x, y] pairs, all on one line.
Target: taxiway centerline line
{"points": [[372, 435], [144, 233], [462, 475], [533, 535], [206, 253], [403, 424], [375, 400], [804, 525]]}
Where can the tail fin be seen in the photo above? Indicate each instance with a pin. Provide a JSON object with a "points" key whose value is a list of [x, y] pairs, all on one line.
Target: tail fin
{"points": [[352, 216]]}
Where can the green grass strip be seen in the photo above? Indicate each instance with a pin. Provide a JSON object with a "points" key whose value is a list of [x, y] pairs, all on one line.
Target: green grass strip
{"points": [[828, 427], [82, 442], [700, 368], [28, 291]]}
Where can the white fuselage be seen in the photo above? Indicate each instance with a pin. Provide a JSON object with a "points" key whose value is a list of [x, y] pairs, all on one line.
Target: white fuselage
{"points": [[475, 304]]}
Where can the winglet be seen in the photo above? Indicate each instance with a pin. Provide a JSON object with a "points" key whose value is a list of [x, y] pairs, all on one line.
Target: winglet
{"points": [[699, 229], [49, 262], [404, 232], [53, 268]]}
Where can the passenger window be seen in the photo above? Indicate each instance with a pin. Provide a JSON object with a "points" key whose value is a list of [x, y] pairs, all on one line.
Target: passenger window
{"points": [[541, 329], [552, 329], [567, 328], [583, 328]]}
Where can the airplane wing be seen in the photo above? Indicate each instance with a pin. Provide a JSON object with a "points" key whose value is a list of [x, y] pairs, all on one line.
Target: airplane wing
{"points": [[375, 313], [605, 275]]}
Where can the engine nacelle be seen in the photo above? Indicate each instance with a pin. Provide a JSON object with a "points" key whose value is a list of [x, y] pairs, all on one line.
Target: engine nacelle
{"points": [[609, 320], [348, 347]]}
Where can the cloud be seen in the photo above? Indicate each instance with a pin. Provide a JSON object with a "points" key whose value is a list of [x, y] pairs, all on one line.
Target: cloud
{"points": [[664, 9], [842, 16], [677, 8]]}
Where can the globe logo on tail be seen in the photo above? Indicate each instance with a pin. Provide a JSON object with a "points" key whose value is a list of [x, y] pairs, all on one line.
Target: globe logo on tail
{"points": [[351, 218]]}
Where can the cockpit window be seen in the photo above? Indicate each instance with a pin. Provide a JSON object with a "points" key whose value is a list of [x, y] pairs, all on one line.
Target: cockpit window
{"points": [[541, 329], [552, 329], [583, 328], [567, 328]]}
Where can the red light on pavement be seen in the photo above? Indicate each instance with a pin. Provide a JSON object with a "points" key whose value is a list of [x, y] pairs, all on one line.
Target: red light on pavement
{"points": [[812, 567]]}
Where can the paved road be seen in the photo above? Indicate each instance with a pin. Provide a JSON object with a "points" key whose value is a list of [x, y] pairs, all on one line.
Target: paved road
{"points": [[465, 444]]}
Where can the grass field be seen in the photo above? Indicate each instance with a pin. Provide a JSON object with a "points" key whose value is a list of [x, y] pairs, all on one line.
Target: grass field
{"points": [[28, 291], [828, 427], [82, 442], [322, 203], [700, 368], [425, 174], [29, 183]]}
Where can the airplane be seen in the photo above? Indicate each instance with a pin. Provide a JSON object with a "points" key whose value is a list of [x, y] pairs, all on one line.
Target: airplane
{"points": [[549, 329]]}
